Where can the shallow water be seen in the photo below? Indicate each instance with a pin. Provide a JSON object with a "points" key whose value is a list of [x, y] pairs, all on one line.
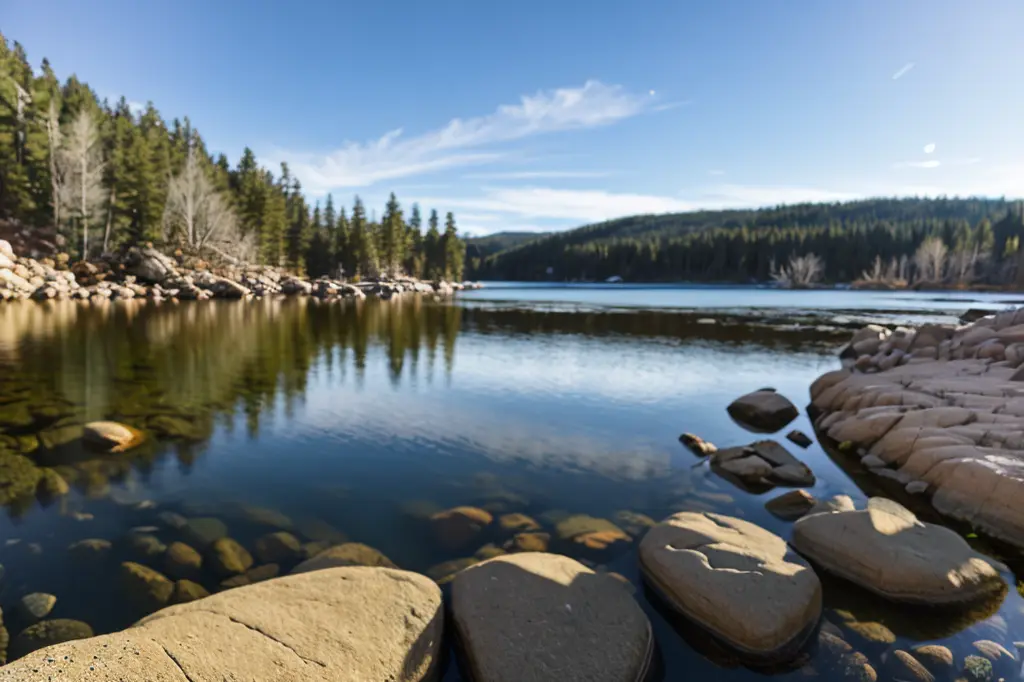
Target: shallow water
{"points": [[353, 420]]}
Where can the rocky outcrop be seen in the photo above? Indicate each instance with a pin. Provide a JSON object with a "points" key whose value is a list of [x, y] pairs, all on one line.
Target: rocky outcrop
{"points": [[943, 408], [885, 549], [736, 580], [148, 273], [764, 410], [347, 624], [537, 616], [762, 465]]}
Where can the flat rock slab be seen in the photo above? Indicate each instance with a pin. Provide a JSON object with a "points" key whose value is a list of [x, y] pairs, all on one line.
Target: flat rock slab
{"points": [[736, 580], [885, 549], [353, 624], [536, 617], [762, 465], [763, 410]]}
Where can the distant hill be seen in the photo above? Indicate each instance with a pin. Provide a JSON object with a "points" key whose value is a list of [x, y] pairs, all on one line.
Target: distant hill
{"points": [[481, 247], [742, 245]]}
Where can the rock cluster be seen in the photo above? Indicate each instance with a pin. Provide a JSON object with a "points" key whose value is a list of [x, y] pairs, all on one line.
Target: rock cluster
{"points": [[937, 409], [148, 273]]}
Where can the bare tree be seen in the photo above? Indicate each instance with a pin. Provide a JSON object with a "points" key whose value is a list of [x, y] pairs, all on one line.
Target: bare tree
{"points": [[930, 260], [80, 163], [800, 271], [962, 263], [196, 214], [58, 184]]}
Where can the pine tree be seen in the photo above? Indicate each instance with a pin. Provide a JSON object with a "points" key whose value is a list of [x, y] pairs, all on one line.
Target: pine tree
{"points": [[342, 263], [393, 238], [433, 266], [275, 223], [298, 228], [329, 217], [363, 246], [453, 250], [414, 243]]}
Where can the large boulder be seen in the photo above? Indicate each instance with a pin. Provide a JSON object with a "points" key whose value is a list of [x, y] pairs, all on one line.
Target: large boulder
{"points": [[345, 625], [149, 265], [886, 550], [537, 616], [736, 580], [43, 634], [765, 463], [763, 410]]}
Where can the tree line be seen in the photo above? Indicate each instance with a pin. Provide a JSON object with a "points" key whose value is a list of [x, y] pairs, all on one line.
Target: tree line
{"points": [[107, 177], [893, 241]]}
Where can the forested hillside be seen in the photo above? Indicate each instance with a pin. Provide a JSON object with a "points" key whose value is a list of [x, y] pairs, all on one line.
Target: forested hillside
{"points": [[102, 176], [481, 247], [950, 241]]}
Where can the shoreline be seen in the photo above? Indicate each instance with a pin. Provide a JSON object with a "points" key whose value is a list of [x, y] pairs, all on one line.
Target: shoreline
{"points": [[149, 274]]}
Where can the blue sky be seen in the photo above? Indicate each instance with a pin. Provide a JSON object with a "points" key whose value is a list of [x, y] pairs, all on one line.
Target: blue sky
{"points": [[547, 115]]}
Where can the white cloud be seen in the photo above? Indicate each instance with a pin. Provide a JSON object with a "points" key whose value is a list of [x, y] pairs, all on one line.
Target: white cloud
{"points": [[929, 148], [652, 93], [136, 107], [903, 71], [463, 142], [754, 196], [931, 163], [535, 175], [549, 203]]}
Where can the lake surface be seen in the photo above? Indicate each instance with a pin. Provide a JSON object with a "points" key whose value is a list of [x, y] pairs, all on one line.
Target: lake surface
{"points": [[352, 421]]}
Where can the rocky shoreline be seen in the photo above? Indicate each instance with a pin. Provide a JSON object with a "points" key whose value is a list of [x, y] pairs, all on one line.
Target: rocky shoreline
{"points": [[940, 411], [149, 274]]}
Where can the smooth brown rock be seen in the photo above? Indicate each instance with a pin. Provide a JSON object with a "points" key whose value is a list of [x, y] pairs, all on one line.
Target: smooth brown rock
{"points": [[347, 554], [279, 547], [344, 625], [111, 436], [534, 616], [799, 438], [529, 542], [885, 549], [444, 572], [147, 588], [457, 527], [182, 561], [697, 445], [792, 505], [186, 591], [43, 634], [763, 463], [226, 557], [517, 523], [735, 579], [937, 659], [765, 411]]}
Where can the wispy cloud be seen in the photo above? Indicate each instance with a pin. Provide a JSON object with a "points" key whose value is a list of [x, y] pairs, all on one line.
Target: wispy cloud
{"points": [[929, 148], [536, 175], [575, 205], [465, 142], [758, 196], [931, 163], [903, 71]]}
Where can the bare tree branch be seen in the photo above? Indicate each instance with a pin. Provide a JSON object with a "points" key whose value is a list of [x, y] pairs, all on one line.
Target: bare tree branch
{"points": [[80, 162]]}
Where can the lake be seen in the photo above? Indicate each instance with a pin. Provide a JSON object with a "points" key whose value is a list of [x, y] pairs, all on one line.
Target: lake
{"points": [[355, 421]]}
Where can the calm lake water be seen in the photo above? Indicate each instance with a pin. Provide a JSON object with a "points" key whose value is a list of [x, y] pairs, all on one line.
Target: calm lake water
{"points": [[354, 420]]}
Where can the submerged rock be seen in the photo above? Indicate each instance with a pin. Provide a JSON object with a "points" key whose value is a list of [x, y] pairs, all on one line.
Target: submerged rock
{"points": [[146, 588], [182, 561], [347, 554], [529, 542], [521, 616], [36, 606], [46, 633], [634, 523], [800, 438], [111, 436], [517, 523], [736, 580], [885, 549], [51, 485], [204, 531], [145, 547], [279, 547], [937, 659], [253, 575], [90, 549], [764, 463], [19, 477], [900, 665], [444, 572], [226, 557], [187, 591], [763, 410], [457, 527]]}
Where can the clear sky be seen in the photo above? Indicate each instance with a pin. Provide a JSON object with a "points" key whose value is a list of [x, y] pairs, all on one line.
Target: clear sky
{"points": [[548, 114]]}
